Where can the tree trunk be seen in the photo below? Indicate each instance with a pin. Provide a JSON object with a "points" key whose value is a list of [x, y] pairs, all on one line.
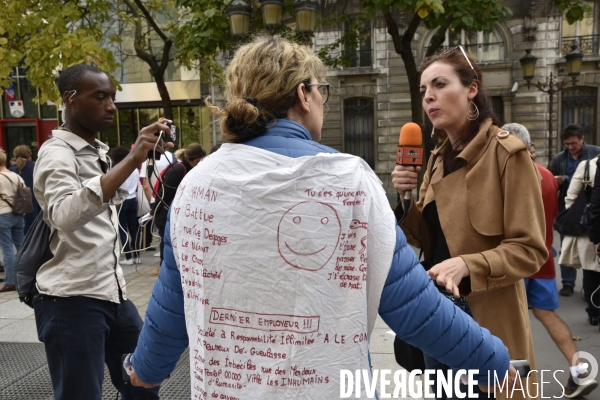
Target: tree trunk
{"points": [[164, 94], [402, 46]]}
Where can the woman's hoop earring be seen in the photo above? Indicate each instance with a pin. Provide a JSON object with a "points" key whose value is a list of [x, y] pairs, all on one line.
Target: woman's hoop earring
{"points": [[472, 115]]}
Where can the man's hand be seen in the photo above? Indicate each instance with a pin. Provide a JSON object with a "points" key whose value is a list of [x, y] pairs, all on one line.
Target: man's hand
{"points": [[136, 381], [559, 179], [449, 273], [113, 179], [147, 139]]}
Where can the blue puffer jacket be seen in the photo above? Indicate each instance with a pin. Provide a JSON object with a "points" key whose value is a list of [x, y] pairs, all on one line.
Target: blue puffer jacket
{"points": [[410, 303]]}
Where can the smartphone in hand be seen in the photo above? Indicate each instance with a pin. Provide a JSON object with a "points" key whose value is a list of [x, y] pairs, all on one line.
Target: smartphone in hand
{"points": [[522, 367]]}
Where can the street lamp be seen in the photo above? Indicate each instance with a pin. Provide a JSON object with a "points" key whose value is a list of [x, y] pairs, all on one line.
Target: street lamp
{"points": [[271, 12], [551, 85], [239, 13], [306, 17], [239, 17], [574, 60]]}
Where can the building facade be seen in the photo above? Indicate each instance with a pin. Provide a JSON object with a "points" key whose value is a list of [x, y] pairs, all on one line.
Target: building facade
{"points": [[370, 100]]}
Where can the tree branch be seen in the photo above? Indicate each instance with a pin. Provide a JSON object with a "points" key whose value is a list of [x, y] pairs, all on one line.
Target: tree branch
{"points": [[439, 37], [393, 31], [150, 20], [139, 51], [409, 33]]}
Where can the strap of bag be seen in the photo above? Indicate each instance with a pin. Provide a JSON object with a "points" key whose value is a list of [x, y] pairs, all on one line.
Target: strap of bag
{"points": [[587, 188], [1, 197]]}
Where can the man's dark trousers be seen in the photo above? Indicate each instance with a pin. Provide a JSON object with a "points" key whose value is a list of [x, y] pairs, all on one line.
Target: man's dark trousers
{"points": [[80, 335]]}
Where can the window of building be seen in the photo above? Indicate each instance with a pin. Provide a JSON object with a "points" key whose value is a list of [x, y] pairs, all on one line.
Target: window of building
{"points": [[584, 32], [578, 106], [128, 126], [359, 137], [480, 46], [363, 56]]}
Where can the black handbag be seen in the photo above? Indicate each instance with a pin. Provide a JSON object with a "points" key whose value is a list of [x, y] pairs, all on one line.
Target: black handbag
{"points": [[573, 220], [34, 252]]}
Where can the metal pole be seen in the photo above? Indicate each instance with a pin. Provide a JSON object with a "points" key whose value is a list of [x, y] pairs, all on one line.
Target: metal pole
{"points": [[551, 93]]}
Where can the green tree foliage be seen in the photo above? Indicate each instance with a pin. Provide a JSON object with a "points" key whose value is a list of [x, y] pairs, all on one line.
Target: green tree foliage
{"points": [[47, 35], [206, 33]]}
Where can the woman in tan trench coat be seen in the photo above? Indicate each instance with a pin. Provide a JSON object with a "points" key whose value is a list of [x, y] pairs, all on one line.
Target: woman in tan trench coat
{"points": [[479, 218]]}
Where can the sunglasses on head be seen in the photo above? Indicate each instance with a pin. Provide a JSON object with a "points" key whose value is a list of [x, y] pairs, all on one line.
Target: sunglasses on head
{"points": [[466, 57]]}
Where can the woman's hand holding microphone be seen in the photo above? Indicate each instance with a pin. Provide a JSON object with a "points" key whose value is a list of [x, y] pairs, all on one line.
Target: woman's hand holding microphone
{"points": [[405, 178]]}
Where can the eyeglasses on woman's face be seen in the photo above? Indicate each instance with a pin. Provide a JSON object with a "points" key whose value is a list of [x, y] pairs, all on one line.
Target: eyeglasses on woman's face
{"points": [[323, 88]]}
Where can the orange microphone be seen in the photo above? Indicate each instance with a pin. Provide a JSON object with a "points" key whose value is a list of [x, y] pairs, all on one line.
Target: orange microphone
{"points": [[410, 147], [410, 152]]}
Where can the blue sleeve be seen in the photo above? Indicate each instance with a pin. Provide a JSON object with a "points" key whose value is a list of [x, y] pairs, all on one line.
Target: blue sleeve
{"points": [[164, 336], [412, 307]]}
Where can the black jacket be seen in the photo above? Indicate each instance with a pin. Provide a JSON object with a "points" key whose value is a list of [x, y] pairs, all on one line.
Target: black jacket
{"points": [[559, 167], [594, 221]]}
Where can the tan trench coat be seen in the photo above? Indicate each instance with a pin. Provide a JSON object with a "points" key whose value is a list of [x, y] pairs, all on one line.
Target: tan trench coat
{"points": [[492, 215]]}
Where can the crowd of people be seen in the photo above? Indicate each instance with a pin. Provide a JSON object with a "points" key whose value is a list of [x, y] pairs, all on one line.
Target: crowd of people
{"points": [[465, 303]]}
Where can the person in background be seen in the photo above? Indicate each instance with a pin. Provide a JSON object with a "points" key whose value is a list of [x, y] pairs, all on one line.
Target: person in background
{"points": [[148, 181], [542, 294], [179, 155], [591, 281], [128, 219], [532, 152], [82, 312], [13, 162], [166, 187], [578, 251], [563, 167], [11, 224], [24, 168], [479, 219], [276, 94]]}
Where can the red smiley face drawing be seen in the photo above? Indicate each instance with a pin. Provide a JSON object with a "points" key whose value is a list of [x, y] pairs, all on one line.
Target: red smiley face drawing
{"points": [[308, 235]]}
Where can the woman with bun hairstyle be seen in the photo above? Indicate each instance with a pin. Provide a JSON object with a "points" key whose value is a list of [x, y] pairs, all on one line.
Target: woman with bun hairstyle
{"points": [[249, 202], [479, 218]]}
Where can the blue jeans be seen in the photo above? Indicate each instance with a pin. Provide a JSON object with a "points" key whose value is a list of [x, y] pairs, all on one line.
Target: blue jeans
{"points": [[568, 275], [129, 223], [432, 363], [11, 236], [80, 335]]}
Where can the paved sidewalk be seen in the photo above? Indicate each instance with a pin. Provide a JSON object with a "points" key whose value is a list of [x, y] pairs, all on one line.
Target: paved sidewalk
{"points": [[17, 325]]}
